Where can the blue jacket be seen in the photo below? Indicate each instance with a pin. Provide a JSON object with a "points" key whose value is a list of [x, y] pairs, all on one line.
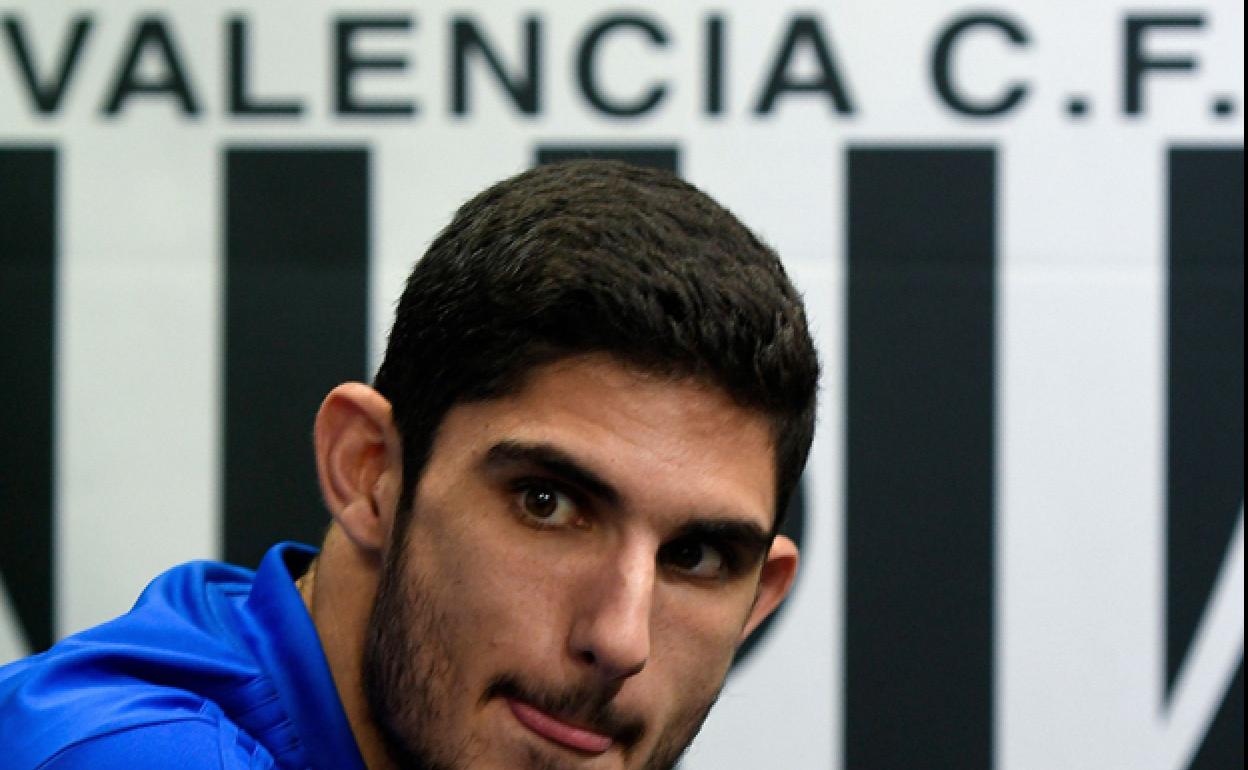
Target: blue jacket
{"points": [[215, 667]]}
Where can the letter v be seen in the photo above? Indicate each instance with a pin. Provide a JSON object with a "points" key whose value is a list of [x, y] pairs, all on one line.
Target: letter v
{"points": [[47, 96]]}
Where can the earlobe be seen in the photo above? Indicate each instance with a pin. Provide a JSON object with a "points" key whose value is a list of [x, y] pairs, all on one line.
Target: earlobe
{"points": [[358, 461], [774, 582]]}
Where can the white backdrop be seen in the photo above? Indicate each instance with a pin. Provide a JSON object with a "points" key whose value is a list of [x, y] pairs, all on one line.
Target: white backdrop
{"points": [[1079, 555]]}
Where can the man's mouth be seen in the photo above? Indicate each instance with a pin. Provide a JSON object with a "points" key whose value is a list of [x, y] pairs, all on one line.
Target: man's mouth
{"points": [[559, 731]]}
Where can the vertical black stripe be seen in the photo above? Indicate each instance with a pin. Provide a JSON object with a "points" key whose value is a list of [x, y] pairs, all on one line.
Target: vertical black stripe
{"points": [[27, 280], [296, 325], [666, 157], [919, 655], [714, 96], [1223, 745], [1205, 452]]}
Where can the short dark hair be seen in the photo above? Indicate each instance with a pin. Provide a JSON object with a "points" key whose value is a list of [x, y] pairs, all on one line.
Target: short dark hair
{"points": [[595, 256]]}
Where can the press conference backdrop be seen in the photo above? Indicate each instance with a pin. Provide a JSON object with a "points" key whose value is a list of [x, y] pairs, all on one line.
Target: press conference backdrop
{"points": [[1018, 228]]}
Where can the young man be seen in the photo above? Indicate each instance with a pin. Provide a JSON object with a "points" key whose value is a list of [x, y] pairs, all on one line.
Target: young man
{"points": [[554, 517]]}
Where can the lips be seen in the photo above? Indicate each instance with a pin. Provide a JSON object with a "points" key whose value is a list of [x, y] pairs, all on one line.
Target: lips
{"points": [[558, 731]]}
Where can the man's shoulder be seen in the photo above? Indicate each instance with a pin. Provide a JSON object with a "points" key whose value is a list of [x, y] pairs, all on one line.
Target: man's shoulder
{"points": [[94, 709], [213, 662], [197, 742], [160, 681], [58, 717]]}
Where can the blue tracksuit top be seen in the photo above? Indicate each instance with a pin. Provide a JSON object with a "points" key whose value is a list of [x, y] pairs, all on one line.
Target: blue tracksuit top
{"points": [[215, 667]]}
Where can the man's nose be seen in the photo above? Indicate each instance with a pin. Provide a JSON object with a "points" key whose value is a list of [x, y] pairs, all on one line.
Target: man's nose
{"points": [[611, 631]]}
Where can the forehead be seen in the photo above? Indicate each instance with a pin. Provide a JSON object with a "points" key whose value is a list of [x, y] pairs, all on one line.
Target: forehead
{"points": [[666, 445]]}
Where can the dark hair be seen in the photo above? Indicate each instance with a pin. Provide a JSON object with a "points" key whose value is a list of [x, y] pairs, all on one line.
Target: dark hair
{"points": [[598, 256]]}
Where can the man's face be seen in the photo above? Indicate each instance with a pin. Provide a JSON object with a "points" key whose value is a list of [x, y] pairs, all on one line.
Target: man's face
{"points": [[581, 561]]}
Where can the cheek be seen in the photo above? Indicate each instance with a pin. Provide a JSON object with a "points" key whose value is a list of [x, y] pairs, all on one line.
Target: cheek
{"points": [[697, 634], [500, 594]]}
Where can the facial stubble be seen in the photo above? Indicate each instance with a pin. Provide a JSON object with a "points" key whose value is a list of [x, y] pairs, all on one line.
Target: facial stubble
{"points": [[408, 675]]}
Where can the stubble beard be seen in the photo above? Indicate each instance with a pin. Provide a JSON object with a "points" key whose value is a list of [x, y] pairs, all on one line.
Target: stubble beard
{"points": [[407, 678], [406, 674]]}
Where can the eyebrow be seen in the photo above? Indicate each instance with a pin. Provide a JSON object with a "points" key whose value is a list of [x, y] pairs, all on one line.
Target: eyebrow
{"points": [[554, 461]]}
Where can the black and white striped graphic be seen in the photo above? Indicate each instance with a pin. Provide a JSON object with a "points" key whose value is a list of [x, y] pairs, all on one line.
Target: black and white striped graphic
{"points": [[27, 388], [1019, 232], [922, 326], [1205, 423], [919, 507], [296, 300]]}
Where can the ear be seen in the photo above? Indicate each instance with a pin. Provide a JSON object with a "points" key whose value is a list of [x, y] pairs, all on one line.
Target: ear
{"points": [[774, 582], [359, 463]]}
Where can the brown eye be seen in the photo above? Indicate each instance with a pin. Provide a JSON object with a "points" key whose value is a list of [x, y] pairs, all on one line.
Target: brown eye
{"points": [[540, 503], [545, 505], [694, 557]]}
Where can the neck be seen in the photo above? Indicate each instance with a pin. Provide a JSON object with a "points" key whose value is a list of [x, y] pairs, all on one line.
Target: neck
{"points": [[338, 590]]}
